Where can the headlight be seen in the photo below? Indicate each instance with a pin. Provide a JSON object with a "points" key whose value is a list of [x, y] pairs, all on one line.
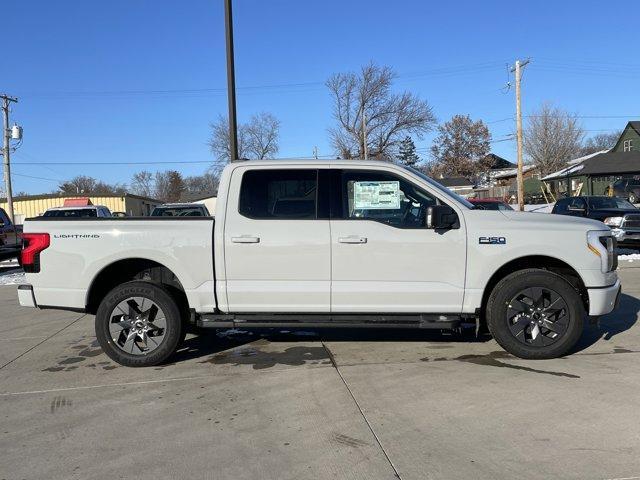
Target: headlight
{"points": [[603, 245], [613, 221]]}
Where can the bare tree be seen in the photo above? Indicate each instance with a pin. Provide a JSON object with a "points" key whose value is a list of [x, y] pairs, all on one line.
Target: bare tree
{"points": [[78, 185], [257, 139], [142, 184], [83, 185], [461, 147], [169, 186], [600, 141], [220, 143], [552, 137], [206, 184], [161, 186], [262, 134], [389, 116]]}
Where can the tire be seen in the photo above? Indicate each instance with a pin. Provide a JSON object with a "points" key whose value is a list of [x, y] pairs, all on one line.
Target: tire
{"points": [[557, 314], [132, 334], [632, 197]]}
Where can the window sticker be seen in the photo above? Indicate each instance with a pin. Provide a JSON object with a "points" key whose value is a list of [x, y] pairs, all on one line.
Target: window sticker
{"points": [[376, 195]]}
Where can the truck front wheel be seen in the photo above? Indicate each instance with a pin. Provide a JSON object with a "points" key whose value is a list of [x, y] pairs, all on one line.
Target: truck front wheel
{"points": [[535, 314], [138, 324]]}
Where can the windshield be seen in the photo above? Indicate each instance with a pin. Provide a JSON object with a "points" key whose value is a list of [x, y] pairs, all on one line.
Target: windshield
{"points": [[84, 212], [440, 188], [178, 212], [603, 203]]}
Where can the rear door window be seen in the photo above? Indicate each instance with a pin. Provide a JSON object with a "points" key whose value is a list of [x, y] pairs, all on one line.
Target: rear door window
{"points": [[289, 194]]}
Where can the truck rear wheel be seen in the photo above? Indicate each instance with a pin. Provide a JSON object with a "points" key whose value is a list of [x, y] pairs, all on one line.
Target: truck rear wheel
{"points": [[535, 314], [138, 324]]}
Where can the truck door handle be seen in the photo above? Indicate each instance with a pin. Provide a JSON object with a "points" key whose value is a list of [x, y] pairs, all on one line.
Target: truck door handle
{"points": [[352, 239], [245, 239]]}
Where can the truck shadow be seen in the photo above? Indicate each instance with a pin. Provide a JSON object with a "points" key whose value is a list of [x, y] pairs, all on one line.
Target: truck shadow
{"points": [[621, 320], [222, 346]]}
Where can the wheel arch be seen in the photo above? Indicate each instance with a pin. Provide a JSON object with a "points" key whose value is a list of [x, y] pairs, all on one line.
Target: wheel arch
{"points": [[128, 269], [543, 262]]}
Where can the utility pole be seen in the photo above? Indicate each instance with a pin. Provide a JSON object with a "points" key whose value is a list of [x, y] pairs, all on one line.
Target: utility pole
{"points": [[6, 152], [520, 182], [315, 152], [231, 82], [364, 135]]}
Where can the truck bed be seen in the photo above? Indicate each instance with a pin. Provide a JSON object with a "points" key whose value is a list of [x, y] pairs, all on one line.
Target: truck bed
{"points": [[82, 249]]}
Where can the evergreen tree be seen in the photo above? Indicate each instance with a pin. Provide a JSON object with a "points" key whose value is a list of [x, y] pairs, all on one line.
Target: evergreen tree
{"points": [[407, 153]]}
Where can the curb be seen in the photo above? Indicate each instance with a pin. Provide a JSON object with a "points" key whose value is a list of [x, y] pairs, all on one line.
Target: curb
{"points": [[625, 265]]}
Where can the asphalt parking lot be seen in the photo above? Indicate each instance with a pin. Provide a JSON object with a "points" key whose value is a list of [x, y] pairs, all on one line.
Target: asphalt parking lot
{"points": [[315, 405]]}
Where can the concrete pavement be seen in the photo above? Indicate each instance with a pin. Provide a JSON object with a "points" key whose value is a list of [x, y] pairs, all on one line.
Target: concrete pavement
{"points": [[327, 404]]}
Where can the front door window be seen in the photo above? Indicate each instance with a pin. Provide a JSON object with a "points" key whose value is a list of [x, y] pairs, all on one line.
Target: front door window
{"points": [[384, 198]]}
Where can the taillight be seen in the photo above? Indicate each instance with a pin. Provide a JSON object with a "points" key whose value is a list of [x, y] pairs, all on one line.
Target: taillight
{"points": [[32, 245]]}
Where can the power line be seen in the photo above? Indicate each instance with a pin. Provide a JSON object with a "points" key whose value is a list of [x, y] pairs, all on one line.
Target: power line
{"points": [[602, 67], [209, 162], [501, 120], [550, 65], [563, 116], [582, 116], [436, 72], [586, 62], [13, 174]]}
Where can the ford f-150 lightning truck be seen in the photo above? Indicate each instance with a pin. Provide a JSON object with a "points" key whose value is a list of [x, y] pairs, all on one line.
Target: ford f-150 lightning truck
{"points": [[325, 244]]}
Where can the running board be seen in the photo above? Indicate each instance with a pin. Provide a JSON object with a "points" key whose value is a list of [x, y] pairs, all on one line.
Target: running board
{"points": [[292, 320]]}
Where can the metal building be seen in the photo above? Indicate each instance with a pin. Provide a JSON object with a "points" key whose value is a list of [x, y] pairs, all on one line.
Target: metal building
{"points": [[34, 205]]}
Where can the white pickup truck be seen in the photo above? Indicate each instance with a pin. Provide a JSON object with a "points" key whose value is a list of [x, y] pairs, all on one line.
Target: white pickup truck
{"points": [[325, 244]]}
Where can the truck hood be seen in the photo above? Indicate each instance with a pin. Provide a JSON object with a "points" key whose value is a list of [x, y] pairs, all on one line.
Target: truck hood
{"points": [[556, 222], [612, 212]]}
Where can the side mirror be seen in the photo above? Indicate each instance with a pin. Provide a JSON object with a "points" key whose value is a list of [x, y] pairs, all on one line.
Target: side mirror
{"points": [[442, 217]]}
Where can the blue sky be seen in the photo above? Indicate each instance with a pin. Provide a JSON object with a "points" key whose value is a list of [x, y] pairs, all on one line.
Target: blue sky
{"points": [[140, 80]]}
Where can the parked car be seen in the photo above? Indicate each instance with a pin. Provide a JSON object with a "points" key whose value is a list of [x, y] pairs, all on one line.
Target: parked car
{"points": [[10, 237], [620, 215], [180, 210], [343, 257], [119, 214], [78, 212], [628, 188], [488, 204]]}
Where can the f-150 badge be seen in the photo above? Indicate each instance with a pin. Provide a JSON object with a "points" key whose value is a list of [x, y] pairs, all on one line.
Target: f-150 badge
{"points": [[492, 240]]}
